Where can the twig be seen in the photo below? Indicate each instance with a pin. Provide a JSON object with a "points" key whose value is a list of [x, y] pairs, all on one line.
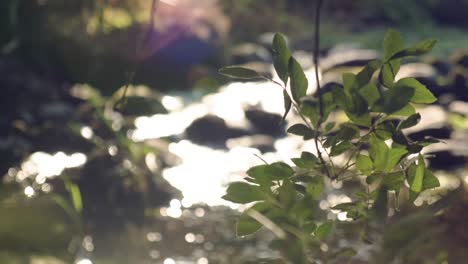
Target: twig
{"points": [[317, 81], [141, 45]]}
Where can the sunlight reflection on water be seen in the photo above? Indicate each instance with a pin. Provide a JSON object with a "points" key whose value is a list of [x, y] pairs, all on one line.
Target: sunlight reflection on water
{"points": [[204, 172]]}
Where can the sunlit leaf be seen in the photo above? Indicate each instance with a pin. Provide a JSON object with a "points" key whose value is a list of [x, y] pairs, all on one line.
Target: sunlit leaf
{"points": [[407, 110], [393, 157], [274, 171], [392, 43], [242, 192], [364, 164], [349, 80], [416, 175], [396, 98], [388, 72], [379, 153], [370, 93], [417, 49], [422, 95], [430, 181], [365, 75], [239, 72]]}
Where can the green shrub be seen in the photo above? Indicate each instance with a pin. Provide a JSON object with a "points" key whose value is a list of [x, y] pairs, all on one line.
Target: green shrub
{"points": [[286, 198]]}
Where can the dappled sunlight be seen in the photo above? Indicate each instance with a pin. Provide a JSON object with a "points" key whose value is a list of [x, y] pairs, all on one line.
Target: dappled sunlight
{"points": [[44, 165], [204, 172]]}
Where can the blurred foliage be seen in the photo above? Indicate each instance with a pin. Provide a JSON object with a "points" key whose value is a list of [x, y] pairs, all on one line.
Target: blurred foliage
{"points": [[115, 185]]}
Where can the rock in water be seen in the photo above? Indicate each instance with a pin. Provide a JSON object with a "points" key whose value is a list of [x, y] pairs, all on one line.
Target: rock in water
{"points": [[211, 130]]}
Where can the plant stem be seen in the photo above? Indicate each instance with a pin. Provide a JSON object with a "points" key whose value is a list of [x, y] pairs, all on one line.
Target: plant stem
{"points": [[317, 81]]}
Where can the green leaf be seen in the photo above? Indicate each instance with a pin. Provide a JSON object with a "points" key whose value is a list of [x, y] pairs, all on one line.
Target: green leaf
{"points": [[364, 164], [392, 44], [340, 148], [242, 192], [281, 56], [417, 49], [311, 110], [328, 105], [347, 131], [430, 181], [394, 156], [410, 121], [349, 80], [246, 225], [329, 126], [315, 187], [298, 81], [365, 75], [416, 175], [358, 105], [394, 180], [340, 97], [422, 95], [239, 72], [407, 110], [324, 230], [274, 171], [428, 141], [370, 93], [379, 153], [139, 105], [373, 178], [287, 104], [388, 72], [301, 130], [75, 195], [306, 161], [363, 120], [286, 193], [396, 98], [385, 130]]}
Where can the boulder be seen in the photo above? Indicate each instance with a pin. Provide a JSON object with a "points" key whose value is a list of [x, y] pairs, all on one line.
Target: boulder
{"points": [[264, 122], [211, 130], [446, 160]]}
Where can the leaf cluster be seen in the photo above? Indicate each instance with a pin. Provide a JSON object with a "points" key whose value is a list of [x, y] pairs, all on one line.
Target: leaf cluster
{"points": [[379, 107]]}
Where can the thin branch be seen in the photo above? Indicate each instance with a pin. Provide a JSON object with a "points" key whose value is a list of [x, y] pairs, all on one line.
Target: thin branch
{"points": [[316, 56], [140, 45], [317, 81]]}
